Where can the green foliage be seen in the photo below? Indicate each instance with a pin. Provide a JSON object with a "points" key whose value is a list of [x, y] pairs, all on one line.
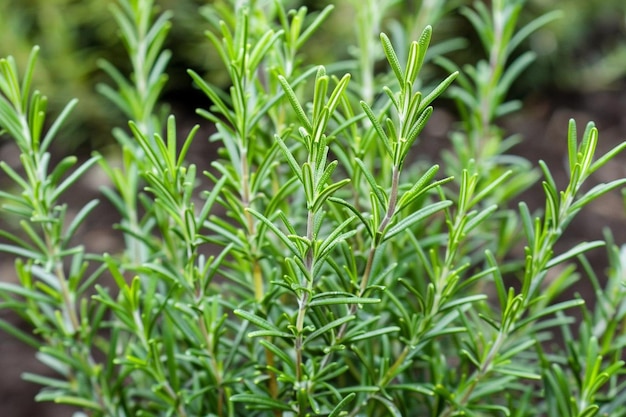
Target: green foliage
{"points": [[314, 268], [583, 51]]}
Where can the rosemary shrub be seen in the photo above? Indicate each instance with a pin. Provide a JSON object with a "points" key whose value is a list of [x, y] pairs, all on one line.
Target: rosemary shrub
{"points": [[315, 266]]}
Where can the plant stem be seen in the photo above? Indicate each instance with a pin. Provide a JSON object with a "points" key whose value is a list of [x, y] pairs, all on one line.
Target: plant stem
{"points": [[257, 273], [211, 350], [257, 276], [68, 301], [303, 301], [391, 207]]}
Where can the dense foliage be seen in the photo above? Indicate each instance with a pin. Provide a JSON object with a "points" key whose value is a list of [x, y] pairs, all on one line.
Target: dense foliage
{"points": [[317, 266]]}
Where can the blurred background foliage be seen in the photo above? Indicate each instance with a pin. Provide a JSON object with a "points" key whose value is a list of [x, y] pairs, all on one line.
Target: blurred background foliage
{"points": [[584, 50]]}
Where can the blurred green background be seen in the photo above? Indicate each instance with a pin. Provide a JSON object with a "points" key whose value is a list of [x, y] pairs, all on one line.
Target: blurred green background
{"points": [[585, 50]]}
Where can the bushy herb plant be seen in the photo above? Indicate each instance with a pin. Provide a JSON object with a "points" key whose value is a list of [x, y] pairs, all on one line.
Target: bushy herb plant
{"points": [[316, 265]]}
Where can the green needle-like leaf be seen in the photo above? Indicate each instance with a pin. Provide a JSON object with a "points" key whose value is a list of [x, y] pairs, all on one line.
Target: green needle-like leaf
{"points": [[392, 58], [413, 218], [295, 103]]}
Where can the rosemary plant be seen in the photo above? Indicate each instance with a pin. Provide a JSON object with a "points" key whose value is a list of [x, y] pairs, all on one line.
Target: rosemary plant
{"points": [[312, 267]]}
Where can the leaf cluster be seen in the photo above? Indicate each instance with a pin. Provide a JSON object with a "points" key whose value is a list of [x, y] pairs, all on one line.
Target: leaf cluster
{"points": [[312, 268]]}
